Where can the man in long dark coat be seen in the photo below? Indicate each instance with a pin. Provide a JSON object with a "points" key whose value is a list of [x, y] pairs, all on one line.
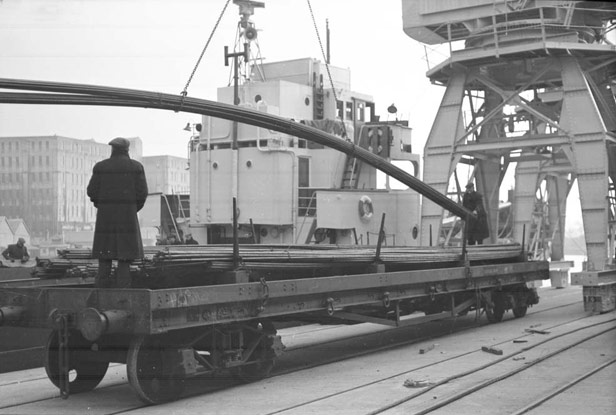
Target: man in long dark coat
{"points": [[118, 189], [477, 229]]}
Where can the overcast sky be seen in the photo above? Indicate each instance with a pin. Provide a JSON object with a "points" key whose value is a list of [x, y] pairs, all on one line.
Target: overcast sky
{"points": [[154, 44]]}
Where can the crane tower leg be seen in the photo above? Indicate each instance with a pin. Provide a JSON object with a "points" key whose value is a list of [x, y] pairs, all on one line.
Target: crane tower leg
{"points": [[447, 125]]}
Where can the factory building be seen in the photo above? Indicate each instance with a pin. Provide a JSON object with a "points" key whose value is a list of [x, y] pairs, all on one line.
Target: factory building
{"points": [[43, 180]]}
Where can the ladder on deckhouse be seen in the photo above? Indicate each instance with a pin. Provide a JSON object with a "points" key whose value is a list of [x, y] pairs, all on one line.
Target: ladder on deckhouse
{"points": [[352, 166], [351, 172]]}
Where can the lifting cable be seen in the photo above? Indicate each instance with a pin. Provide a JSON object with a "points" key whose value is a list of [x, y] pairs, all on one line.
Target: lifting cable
{"points": [[329, 75], [184, 92]]}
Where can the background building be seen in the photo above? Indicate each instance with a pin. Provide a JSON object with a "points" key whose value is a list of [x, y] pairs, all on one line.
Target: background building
{"points": [[167, 174], [43, 180], [6, 234], [19, 229]]}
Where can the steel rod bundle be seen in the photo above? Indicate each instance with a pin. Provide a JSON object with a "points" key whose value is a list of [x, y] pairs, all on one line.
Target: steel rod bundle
{"points": [[218, 258], [258, 256], [57, 93]]}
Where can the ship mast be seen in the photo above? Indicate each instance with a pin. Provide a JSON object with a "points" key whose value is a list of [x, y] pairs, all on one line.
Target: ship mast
{"points": [[246, 35]]}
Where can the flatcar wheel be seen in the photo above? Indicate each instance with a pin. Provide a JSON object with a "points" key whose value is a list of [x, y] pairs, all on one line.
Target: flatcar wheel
{"points": [[261, 362], [254, 371], [85, 371], [520, 311], [150, 372], [495, 312]]}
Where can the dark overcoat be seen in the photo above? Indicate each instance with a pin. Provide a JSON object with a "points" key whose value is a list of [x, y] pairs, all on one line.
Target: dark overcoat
{"points": [[478, 229], [15, 251], [118, 189]]}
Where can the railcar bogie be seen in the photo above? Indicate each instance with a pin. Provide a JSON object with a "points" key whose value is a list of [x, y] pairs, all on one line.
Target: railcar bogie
{"points": [[517, 298]]}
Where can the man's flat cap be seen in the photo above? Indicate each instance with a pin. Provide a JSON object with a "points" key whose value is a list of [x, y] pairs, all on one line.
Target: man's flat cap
{"points": [[469, 185], [120, 142]]}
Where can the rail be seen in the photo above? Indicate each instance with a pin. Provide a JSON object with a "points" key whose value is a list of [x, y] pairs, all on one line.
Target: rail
{"points": [[540, 23]]}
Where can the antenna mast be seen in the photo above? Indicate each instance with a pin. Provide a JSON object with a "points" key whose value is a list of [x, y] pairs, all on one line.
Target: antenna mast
{"points": [[327, 58], [246, 35]]}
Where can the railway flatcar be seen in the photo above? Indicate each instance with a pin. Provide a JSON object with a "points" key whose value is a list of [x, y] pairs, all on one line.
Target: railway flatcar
{"points": [[167, 329]]}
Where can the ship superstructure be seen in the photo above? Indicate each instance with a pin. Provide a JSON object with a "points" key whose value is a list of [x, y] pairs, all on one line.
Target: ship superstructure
{"points": [[288, 190]]}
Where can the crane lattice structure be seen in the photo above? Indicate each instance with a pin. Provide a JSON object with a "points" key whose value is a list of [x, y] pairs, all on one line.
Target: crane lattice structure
{"points": [[529, 84]]}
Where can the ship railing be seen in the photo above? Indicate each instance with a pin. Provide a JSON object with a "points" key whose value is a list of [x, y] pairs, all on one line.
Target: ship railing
{"points": [[307, 201]]}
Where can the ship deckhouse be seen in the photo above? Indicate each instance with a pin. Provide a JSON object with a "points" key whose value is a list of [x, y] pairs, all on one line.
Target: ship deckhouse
{"points": [[288, 190]]}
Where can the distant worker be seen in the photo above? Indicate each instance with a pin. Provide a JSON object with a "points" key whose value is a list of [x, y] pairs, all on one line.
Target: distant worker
{"points": [[476, 229], [118, 189], [189, 240], [17, 252]]}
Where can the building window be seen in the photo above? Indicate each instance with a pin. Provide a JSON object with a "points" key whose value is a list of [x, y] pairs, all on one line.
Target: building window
{"points": [[349, 111], [339, 109], [361, 111]]}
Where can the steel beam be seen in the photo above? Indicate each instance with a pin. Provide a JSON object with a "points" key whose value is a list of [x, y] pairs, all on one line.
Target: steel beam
{"points": [[511, 144], [59, 93], [558, 187], [438, 150], [580, 115], [524, 196]]}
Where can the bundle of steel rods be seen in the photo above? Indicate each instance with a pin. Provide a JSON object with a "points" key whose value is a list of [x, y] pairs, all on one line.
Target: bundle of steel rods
{"points": [[276, 257], [58, 93], [319, 256], [61, 267], [76, 263]]}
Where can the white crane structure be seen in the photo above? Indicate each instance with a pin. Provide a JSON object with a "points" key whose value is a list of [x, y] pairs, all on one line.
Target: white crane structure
{"points": [[528, 84]]}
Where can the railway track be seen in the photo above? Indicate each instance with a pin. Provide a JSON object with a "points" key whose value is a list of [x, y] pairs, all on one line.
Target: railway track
{"points": [[474, 386], [325, 368]]}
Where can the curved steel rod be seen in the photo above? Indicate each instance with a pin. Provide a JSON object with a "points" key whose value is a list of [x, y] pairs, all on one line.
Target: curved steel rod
{"points": [[59, 93]]}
